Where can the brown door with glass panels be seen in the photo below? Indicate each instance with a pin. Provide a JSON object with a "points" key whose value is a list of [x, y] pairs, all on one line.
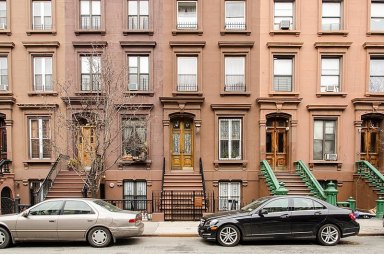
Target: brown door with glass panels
{"points": [[182, 143], [86, 144], [370, 141], [277, 143]]}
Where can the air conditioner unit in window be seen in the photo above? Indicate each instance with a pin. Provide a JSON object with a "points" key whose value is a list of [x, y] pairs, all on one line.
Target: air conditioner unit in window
{"points": [[330, 157], [133, 86], [331, 88], [285, 24]]}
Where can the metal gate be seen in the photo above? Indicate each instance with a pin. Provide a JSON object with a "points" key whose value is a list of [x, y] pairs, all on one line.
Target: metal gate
{"points": [[7, 205], [182, 206]]}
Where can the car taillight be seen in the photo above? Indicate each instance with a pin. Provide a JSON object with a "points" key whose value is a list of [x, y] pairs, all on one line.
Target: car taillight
{"points": [[352, 216]]}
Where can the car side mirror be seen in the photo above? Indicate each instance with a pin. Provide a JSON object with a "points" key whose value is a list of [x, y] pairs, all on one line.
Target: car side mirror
{"points": [[25, 214], [263, 212]]}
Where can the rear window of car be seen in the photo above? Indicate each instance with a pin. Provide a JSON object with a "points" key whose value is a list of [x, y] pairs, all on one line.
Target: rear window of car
{"points": [[107, 206]]}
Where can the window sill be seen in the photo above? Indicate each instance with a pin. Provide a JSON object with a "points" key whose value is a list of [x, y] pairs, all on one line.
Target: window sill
{"points": [[92, 93], [51, 93], [30, 32], [288, 32], [144, 93], [374, 94], [339, 32], [39, 161], [6, 93], [197, 32], [235, 93], [243, 162], [237, 32], [6, 31], [375, 33], [79, 32], [341, 94], [145, 32], [284, 94], [178, 93], [326, 163], [130, 162]]}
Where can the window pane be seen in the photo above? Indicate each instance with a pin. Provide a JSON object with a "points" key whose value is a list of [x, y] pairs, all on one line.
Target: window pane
{"points": [[331, 9], [85, 65], [377, 67], [234, 9], [377, 9], [84, 7], [330, 66], [38, 65], [318, 130], [187, 65], [280, 205], [132, 7], [144, 9], [234, 65], [96, 10], [282, 66], [48, 65], [224, 129], [144, 64], [330, 81], [283, 9], [236, 131]]}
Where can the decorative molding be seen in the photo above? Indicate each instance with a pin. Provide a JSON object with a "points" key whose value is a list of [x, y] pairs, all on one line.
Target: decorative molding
{"points": [[28, 44], [182, 100], [242, 44], [231, 106], [7, 45], [326, 107], [37, 106], [285, 44], [151, 44], [8, 99], [79, 44], [278, 100], [136, 106], [373, 45], [332, 44], [187, 44]]}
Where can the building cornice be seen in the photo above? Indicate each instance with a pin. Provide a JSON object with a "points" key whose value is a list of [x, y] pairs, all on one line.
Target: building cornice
{"points": [[37, 106], [278, 100], [187, 44], [79, 44], [332, 44], [182, 100], [241, 44], [28, 44], [231, 106], [285, 44], [151, 44], [327, 107], [7, 45], [135, 106], [373, 45]]}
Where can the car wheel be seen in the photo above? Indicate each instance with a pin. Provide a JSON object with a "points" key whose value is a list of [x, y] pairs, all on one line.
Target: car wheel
{"points": [[228, 236], [328, 235], [99, 237], [5, 238]]}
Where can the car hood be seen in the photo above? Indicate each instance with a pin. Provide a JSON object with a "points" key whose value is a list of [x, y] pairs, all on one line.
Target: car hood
{"points": [[225, 214], [8, 217]]}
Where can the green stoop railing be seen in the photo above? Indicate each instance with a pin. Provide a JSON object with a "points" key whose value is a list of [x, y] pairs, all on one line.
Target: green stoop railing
{"points": [[311, 182], [275, 187], [370, 174]]}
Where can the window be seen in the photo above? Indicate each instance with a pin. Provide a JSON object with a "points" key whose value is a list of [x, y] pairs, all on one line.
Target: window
{"points": [[42, 15], [229, 196], [138, 14], [282, 73], [283, 15], [230, 139], [330, 74], [90, 73], [234, 74], [47, 208], [3, 73], [324, 139], [42, 74], [187, 15], [302, 204], [377, 16], [235, 15], [90, 14], [138, 73], [331, 16], [135, 195], [77, 207], [186, 73], [135, 138], [3, 15], [376, 76], [39, 138], [276, 206]]}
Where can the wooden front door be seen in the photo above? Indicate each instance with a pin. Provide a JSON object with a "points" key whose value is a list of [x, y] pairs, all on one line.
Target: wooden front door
{"points": [[86, 144], [370, 141], [182, 143], [277, 143]]}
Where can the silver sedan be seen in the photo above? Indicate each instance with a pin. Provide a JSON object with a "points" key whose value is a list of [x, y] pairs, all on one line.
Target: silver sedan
{"points": [[92, 220]]}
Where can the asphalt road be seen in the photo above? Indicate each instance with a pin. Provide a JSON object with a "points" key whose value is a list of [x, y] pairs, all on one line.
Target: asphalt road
{"points": [[168, 245]]}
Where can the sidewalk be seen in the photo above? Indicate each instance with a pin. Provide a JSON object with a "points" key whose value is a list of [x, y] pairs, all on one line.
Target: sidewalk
{"points": [[368, 227]]}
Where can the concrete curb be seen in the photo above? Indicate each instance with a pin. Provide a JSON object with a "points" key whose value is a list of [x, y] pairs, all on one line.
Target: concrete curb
{"points": [[170, 235]]}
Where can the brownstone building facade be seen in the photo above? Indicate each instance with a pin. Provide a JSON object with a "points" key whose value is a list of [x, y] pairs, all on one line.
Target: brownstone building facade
{"points": [[223, 84]]}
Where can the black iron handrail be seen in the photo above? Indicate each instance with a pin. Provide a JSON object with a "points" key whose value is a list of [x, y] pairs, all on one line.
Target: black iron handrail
{"points": [[162, 179], [41, 194], [203, 181]]}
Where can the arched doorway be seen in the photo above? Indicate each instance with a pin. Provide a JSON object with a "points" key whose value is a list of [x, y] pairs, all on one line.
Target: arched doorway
{"points": [[277, 148], [7, 203], [182, 140], [370, 146]]}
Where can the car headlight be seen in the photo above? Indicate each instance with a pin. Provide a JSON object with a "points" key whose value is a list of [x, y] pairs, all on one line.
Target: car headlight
{"points": [[213, 222]]}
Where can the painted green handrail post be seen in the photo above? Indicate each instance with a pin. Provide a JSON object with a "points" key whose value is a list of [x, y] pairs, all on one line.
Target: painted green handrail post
{"points": [[331, 193], [380, 206], [281, 190], [352, 203]]}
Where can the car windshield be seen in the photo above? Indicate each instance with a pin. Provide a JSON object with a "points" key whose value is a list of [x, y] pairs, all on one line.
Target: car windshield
{"points": [[107, 206], [255, 204]]}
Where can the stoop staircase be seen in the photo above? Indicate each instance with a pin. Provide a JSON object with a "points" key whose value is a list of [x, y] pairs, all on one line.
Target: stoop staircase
{"points": [[293, 183], [68, 184]]}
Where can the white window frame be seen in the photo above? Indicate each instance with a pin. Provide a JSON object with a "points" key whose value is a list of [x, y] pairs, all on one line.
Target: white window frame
{"points": [[239, 25], [376, 6], [374, 86], [142, 76], [184, 26], [324, 16], [92, 15], [44, 73], [184, 84], [4, 78], [283, 73], [136, 19], [329, 73], [323, 138], [230, 138], [232, 78], [277, 18], [42, 25], [4, 19], [229, 195], [40, 137], [135, 190], [94, 75], [134, 123]]}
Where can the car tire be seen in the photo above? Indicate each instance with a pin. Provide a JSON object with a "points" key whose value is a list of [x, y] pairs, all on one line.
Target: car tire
{"points": [[99, 237], [328, 235], [5, 238], [228, 236]]}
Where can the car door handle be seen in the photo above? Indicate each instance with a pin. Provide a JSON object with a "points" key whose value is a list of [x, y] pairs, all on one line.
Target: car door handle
{"points": [[318, 213], [90, 220], [284, 216], [52, 221]]}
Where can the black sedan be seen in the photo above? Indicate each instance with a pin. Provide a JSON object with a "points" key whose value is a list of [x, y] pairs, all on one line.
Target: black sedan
{"points": [[280, 217]]}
